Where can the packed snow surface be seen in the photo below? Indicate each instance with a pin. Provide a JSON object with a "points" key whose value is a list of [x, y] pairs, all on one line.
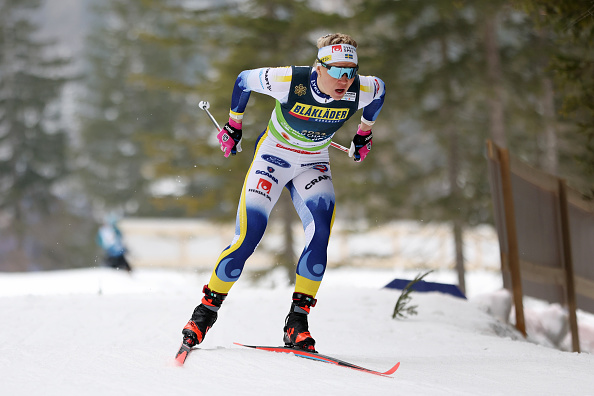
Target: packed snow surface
{"points": [[104, 332]]}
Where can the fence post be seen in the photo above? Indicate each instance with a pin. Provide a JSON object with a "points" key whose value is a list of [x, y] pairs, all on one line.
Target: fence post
{"points": [[512, 238], [568, 266]]}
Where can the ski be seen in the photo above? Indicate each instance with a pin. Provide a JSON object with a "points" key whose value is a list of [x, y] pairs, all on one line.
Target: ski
{"points": [[182, 354], [321, 358]]}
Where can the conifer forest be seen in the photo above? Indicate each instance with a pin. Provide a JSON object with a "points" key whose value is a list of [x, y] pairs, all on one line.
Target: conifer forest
{"points": [[115, 127]]}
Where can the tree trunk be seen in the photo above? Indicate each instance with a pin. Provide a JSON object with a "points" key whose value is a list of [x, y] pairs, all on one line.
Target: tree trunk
{"points": [[456, 201], [550, 161], [458, 230], [18, 259], [453, 154], [494, 82]]}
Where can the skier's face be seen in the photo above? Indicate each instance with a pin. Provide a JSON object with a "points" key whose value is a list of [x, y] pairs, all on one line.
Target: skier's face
{"points": [[334, 87]]}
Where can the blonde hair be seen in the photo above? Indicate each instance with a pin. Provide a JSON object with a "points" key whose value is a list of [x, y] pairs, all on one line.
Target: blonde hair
{"points": [[334, 38]]}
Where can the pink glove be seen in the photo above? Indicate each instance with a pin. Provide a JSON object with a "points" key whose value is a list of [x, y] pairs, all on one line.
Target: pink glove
{"points": [[361, 145], [230, 138]]}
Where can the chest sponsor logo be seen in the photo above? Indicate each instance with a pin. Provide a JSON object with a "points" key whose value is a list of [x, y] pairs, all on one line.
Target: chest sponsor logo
{"points": [[276, 161], [320, 114], [350, 96]]}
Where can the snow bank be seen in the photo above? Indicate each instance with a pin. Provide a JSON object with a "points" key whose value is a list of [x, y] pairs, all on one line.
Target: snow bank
{"points": [[100, 332]]}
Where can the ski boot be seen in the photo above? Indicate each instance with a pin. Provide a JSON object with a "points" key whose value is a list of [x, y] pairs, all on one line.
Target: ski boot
{"points": [[204, 316], [296, 331]]}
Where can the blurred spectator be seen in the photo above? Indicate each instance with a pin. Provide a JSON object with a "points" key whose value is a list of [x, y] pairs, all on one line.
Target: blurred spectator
{"points": [[109, 237]]}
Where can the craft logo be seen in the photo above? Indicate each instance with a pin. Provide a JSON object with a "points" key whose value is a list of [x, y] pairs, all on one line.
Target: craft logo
{"points": [[317, 180], [264, 185], [266, 81], [320, 114]]}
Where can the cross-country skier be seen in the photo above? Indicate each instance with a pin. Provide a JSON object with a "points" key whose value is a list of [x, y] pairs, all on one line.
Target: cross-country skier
{"points": [[110, 238], [312, 103]]}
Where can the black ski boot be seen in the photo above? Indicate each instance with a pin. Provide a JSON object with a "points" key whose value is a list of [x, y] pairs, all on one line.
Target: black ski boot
{"points": [[204, 316], [296, 331]]}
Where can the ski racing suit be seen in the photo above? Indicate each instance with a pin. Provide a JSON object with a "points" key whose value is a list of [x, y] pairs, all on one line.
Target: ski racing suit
{"points": [[292, 152]]}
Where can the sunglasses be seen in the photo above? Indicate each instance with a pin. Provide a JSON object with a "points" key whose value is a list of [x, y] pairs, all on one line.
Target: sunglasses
{"points": [[337, 72]]}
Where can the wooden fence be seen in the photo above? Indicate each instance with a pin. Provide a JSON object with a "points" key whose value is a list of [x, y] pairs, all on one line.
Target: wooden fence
{"points": [[546, 237]]}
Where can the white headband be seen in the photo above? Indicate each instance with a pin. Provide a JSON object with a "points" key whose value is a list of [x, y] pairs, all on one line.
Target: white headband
{"points": [[338, 53]]}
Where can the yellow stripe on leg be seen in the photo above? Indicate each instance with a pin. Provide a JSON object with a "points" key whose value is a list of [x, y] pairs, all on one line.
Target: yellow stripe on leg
{"points": [[306, 286], [216, 284], [219, 286], [242, 210]]}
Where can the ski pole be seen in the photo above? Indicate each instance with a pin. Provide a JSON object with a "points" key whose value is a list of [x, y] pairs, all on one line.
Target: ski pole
{"points": [[340, 147], [204, 105]]}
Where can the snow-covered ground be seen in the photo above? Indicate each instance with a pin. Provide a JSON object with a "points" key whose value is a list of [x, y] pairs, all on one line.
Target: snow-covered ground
{"points": [[103, 332]]}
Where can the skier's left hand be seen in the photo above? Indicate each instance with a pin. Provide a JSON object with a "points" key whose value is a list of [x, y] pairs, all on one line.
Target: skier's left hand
{"points": [[361, 145]]}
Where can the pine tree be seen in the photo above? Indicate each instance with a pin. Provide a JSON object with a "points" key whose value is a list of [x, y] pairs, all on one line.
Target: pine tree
{"points": [[113, 110], [457, 73], [435, 84], [567, 30], [33, 147], [183, 37], [146, 151]]}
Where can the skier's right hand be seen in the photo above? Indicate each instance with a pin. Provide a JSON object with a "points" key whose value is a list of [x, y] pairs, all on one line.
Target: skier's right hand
{"points": [[361, 145], [230, 138]]}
